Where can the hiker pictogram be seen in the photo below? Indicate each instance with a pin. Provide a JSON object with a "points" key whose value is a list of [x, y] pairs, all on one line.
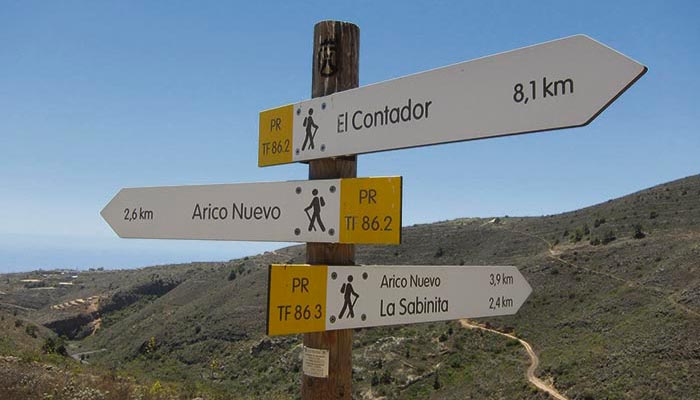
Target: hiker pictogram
{"points": [[315, 215], [311, 129], [350, 297]]}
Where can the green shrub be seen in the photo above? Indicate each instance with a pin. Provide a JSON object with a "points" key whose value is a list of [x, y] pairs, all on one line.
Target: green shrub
{"points": [[149, 347], [31, 330], [54, 346], [609, 237], [386, 377], [436, 382], [576, 236]]}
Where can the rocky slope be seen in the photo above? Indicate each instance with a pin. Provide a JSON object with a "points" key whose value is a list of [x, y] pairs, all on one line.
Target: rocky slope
{"points": [[614, 313]]}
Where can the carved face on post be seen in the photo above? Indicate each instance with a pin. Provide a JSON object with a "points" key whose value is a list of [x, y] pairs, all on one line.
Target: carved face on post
{"points": [[327, 58]]}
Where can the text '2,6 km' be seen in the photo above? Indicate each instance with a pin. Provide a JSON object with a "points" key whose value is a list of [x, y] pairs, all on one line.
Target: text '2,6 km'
{"points": [[559, 84]]}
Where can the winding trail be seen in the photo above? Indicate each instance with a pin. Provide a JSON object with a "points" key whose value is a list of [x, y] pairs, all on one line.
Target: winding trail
{"points": [[534, 360], [532, 378], [670, 296], [17, 307], [76, 356]]}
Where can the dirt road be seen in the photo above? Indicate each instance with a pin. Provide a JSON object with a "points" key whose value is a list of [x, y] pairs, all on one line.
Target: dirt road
{"points": [[17, 307], [77, 356], [534, 360], [670, 296]]}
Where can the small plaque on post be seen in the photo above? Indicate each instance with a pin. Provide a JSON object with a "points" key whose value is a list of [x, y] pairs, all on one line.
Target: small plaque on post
{"points": [[315, 362]]}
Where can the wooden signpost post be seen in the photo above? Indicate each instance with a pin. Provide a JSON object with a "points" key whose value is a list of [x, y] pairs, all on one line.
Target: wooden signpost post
{"points": [[335, 68]]}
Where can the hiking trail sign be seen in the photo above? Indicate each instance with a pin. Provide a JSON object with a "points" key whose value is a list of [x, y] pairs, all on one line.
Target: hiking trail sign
{"points": [[356, 210], [559, 84], [314, 298]]}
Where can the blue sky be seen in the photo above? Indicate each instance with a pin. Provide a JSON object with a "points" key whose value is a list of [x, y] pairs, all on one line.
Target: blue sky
{"points": [[96, 96]]}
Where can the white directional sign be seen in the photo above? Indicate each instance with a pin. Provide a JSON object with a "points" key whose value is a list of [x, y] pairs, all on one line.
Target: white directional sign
{"points": [[311, 298], [559, 84], [357, 210]]}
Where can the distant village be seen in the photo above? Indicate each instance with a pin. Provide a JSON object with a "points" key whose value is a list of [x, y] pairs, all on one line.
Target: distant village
{"points": [[48, 280]]}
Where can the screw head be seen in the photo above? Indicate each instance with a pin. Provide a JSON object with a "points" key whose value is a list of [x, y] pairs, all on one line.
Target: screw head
{"points": [[331, 231], [297, 231], [332, 189], [364, 275], [298, 190], [298, 111], [363, 317], [323, 147], [334, 275], [297, 151], [323, 106], [332, 319]]}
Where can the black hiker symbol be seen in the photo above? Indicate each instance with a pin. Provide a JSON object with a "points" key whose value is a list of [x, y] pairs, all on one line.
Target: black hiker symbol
{"points": [[349, 303], [311, 129], [315, 215]]}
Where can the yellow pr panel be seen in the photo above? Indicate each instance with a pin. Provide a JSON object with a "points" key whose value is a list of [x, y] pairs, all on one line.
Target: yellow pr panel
{"points": [[276, 132], [370, 210], [296, 300]]}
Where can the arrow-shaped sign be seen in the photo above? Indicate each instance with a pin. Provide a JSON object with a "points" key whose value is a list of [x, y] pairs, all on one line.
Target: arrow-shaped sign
{"points": [[357, 210], [559, 84], [312, 298]]}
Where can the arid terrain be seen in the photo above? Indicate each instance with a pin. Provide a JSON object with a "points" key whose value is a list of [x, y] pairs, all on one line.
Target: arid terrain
{"points": [[614, 314]]}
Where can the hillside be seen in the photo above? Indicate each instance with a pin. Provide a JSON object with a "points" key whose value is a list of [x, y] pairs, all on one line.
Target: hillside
{"points": [[614, 313]]}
